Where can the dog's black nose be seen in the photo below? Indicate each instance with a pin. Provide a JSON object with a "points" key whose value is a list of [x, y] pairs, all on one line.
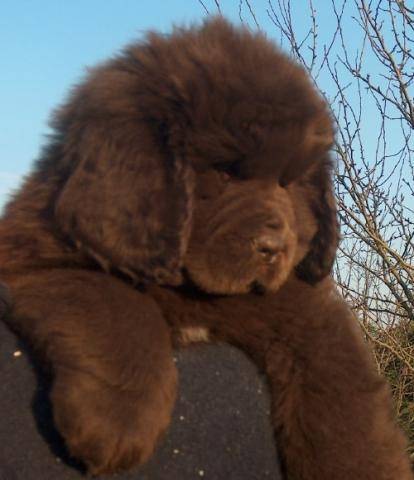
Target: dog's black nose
{"points": [[268, 246]]}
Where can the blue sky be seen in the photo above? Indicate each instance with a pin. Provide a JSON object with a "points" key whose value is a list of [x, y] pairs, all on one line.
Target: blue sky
{"points": [[46, 45]]}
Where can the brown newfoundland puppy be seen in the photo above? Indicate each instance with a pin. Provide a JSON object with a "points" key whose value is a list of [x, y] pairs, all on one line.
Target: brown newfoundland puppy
{"points": [[186, 196]]}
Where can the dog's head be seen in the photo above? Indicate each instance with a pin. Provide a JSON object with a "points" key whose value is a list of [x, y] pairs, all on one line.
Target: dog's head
{"points": [[203, 152]]}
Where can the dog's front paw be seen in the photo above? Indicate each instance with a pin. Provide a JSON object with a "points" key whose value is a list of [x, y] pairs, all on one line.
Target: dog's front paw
{"points": [[110, 429]]}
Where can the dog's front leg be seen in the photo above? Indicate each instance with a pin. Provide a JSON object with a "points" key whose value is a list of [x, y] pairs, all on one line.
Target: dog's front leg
{"points": [[109, 349], [331, 410]]}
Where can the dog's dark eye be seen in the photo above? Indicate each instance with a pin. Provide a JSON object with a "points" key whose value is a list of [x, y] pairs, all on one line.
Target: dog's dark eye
{"points": [[232, 169]]}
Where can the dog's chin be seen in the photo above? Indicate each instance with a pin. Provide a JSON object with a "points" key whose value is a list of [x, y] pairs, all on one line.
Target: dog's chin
{"points": [[219, 284], [272, 285]]}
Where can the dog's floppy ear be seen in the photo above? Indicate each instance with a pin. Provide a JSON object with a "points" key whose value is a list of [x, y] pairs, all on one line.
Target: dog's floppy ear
{"points": [[128, 202], [317, 264]]}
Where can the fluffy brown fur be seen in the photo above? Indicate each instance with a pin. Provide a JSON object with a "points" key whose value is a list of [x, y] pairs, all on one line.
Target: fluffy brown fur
{"points": [[186, 195]]}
